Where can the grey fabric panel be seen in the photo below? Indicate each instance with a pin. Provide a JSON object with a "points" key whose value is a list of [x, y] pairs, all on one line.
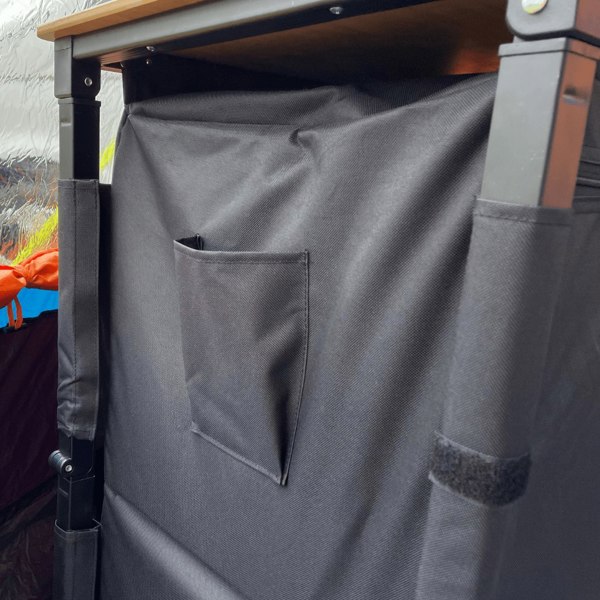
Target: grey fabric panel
{"points": [[379, 185], [244, 328], [156, 557], [75, 562], [514, 271], [464, 550], [513, 277], [556, 546], [78, 352]]}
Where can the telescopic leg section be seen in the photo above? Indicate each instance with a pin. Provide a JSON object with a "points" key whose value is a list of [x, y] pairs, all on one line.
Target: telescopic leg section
{"points": [[77, 531], [542, 103]]}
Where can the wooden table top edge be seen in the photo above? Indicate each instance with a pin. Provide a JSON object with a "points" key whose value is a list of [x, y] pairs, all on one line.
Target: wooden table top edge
{"points": [[103, 16]]}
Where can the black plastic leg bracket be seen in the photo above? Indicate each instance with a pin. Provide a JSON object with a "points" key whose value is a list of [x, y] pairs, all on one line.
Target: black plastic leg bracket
{"points": [[543, 19], [542, 103], [74, 463], [538, 125]]}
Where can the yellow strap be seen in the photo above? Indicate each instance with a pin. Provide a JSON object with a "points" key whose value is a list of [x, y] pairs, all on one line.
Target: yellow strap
{"points": [[39, 239], [42, 237]]}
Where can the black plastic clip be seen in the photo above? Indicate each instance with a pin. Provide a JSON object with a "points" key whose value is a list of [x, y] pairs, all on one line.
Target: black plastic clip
{"points": [[74, 463]]}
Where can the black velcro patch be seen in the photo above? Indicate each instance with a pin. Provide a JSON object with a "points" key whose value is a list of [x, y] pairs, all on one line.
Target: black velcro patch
{"points": [[485, 479]]}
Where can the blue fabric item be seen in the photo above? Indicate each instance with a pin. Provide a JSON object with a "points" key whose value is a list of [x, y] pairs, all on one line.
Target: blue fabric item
{"points": [[33, 302]]}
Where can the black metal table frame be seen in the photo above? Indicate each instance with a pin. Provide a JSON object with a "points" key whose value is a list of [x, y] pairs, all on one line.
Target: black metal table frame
{"points": [[541, 109]]}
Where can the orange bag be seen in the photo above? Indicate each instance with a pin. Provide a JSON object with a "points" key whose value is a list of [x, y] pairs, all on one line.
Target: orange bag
{"points": [[39, 271]]}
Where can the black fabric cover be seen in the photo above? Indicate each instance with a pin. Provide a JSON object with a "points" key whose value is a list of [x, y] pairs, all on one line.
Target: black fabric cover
{"points": [[26, 545], [75, 559], [427, 311], [28, 377], [78, 348]]}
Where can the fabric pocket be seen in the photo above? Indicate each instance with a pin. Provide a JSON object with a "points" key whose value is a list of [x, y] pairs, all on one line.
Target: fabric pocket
{"points": [[244, 325]]}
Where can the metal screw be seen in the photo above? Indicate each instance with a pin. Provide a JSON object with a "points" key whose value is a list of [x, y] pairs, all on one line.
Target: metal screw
{"points": [[68, 468], [533, 7], [336, 10], [151, 48], [88, 82], [148, 61]]}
